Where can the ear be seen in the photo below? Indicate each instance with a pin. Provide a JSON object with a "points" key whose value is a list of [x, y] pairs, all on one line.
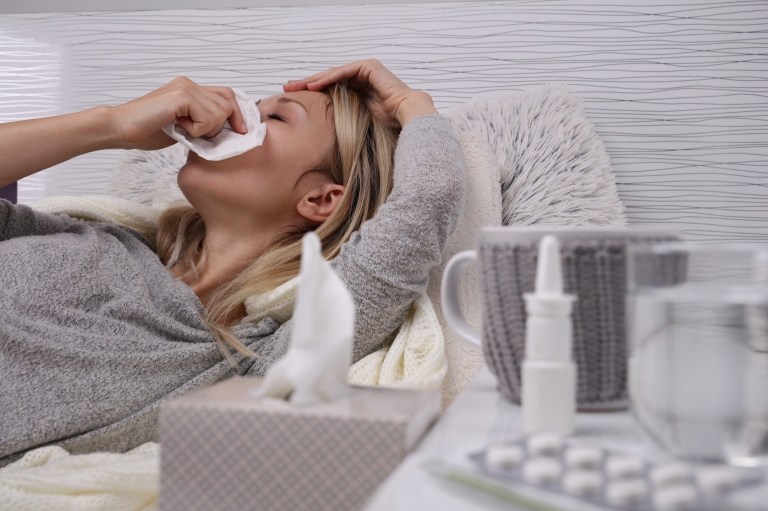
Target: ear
{"points": [[317, 204]]}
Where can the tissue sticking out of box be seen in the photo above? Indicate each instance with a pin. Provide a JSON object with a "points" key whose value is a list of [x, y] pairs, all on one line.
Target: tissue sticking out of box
{"points": [[314, 370], [228, 143]]}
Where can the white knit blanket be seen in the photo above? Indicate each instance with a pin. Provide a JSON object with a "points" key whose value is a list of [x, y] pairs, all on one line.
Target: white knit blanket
{"points": [[414, 360], [49, 479]]}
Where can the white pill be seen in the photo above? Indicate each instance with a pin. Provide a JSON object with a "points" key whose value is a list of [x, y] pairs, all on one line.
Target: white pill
{"points": [[542, 471], [675, 498], [713, 480], [545, 444], [583, 483], [630, 492], [584, 457], [624, 467], [670, 473], [504, 457]]}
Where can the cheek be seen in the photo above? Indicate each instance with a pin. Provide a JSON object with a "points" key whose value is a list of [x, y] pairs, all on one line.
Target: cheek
{"points": [[261, 180], [260, 172]]}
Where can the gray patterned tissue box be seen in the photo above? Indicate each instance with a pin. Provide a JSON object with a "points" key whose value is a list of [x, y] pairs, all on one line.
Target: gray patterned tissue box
{"points": [[223, 449]]}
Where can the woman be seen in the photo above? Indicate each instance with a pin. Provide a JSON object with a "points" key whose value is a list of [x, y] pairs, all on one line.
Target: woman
{"points": [[98, 327]]}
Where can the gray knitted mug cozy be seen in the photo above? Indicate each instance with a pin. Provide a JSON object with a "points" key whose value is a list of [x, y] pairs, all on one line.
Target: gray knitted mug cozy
{"points": [[595, 271]]}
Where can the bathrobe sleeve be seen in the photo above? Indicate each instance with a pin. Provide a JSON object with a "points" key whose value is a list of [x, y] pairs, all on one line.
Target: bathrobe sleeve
{"points": [[386, 264], [17, 220]]}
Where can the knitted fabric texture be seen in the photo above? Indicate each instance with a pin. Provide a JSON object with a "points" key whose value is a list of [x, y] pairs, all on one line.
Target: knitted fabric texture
{"points": [[50, 479], [414, 360], [595, 271]]}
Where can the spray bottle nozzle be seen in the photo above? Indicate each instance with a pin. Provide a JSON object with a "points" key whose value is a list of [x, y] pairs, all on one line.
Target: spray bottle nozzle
{"points": [[549, 272], [548, 372]]}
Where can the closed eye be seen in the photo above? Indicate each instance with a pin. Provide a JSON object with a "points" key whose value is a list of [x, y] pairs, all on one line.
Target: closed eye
{"points": [[275, 116]]}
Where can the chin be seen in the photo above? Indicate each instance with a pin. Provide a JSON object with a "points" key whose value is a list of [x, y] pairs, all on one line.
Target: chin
{"points": [[204, 185], [192, 180]]}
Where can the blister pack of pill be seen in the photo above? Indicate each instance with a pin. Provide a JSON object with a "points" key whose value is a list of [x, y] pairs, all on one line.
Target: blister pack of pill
{"points": [[611, 479]]}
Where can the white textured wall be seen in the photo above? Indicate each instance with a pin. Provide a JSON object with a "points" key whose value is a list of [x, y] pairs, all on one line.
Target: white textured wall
{"points": [[678, 91]]}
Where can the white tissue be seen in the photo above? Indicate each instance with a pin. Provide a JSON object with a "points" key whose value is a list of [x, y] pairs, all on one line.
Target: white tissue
{"points": [[314, 370], [228, 142]]}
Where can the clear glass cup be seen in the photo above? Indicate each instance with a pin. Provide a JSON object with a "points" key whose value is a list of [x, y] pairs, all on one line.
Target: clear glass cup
{"points": [[697, 324]]}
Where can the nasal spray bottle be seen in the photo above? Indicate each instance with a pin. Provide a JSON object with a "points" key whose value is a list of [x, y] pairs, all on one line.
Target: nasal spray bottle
{"points": [[549, 374]]}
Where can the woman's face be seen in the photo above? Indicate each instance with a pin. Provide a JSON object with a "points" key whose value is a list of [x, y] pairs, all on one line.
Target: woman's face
{"points": [[264, 185]]}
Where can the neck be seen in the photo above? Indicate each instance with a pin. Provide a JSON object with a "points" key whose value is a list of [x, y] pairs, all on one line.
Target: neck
{"points": [[228, 252]]}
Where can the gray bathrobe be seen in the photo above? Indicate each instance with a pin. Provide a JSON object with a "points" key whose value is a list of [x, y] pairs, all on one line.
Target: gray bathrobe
{"points": [[95, 333]]}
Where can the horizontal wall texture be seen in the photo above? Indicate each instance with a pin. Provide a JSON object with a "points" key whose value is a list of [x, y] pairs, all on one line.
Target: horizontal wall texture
{"points": [[677, 90]]}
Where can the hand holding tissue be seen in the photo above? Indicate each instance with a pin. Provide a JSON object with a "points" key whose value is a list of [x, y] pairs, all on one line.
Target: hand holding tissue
{"points": [[228, 142], [315, 368]]}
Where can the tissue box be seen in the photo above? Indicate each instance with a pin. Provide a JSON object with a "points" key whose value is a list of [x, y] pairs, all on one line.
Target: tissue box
{"points": [[223, 449]]}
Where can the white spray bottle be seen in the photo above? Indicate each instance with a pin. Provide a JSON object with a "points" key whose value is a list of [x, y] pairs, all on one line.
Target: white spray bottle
{"points": [[549, 374]]}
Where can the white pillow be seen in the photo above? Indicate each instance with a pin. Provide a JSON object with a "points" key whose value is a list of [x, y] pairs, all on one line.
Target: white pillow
{"points": [[149, 177], [554, 169]]}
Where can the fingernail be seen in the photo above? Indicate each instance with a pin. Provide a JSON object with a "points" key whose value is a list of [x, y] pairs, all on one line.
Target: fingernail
{"points": [[291, 81]]}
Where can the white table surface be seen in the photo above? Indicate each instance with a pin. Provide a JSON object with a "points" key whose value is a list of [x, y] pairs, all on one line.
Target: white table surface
{"points": [[479, 417]]}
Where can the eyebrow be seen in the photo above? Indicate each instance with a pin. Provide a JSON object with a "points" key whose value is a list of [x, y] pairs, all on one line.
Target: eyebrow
{"points": [[284, 99]]}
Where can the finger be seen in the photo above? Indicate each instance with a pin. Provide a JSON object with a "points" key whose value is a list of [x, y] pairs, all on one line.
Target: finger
{"points": [[302, 83], [224, 113], [196, 129], [186, 123], [202, 113], [215, 131], [237, 120], [328, 77], [356, 74], [205, 110], [222, 109]]}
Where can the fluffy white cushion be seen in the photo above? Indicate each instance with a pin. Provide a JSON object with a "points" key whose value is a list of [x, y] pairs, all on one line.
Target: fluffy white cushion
{"points": [[554, 170], [149, 177]]}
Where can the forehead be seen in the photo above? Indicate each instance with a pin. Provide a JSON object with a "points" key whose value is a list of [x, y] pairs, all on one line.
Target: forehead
{"points": [[316, 104]]}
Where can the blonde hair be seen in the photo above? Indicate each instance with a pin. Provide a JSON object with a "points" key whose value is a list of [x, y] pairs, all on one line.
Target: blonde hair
{"points": [[361, 159]]}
